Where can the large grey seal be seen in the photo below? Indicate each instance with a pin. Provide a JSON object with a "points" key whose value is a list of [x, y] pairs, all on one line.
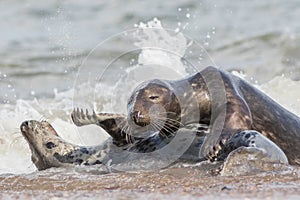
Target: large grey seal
{"points": [[224, 102]]}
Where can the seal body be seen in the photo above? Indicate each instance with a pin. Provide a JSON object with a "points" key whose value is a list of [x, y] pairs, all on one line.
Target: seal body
{"points": [[224, 102], [48, 149]]}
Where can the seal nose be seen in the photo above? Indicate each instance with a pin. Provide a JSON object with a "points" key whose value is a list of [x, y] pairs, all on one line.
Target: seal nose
{"points": [[138, 119], [134, 116], [25, 124]]}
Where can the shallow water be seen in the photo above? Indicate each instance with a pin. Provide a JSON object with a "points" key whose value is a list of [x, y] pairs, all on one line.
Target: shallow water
{"points": [[47, 65]]}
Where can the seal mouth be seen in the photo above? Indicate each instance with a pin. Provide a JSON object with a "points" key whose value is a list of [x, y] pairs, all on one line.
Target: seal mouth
{"points": [[139, 119], [24, 127]]}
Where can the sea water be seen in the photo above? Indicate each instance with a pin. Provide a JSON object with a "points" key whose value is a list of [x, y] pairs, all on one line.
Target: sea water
{"points": [[59, 55]]}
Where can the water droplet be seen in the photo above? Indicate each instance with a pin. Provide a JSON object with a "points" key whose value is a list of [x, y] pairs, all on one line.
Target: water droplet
{"points": [[32, 92], [188, 15], [179, 9]]}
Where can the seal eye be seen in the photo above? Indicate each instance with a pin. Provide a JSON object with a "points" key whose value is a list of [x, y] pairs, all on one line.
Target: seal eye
{"points": [[153, 97], [50, 145]]}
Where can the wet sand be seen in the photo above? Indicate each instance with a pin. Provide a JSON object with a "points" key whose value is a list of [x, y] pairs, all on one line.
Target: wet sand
{"points": [[173, 183]]}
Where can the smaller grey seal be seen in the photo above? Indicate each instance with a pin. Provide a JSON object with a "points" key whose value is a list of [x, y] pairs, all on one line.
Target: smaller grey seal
{"points": [[48, 149]]}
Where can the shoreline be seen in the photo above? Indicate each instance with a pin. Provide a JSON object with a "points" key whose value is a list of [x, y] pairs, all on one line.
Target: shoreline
{"points": [[172, 183]]}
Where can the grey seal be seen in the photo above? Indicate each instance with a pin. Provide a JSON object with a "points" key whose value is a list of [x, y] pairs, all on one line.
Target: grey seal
{"points": [[226, 103]]}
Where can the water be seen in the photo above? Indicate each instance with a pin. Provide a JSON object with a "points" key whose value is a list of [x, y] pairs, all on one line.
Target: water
{"points": [[47, 65]]}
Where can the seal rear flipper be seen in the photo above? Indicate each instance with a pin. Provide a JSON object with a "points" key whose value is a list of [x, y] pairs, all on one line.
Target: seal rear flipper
{"points": [[252, 138], [250, 160]]}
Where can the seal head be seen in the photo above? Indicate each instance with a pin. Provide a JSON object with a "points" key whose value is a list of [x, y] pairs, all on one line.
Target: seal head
{"points": [[154, 106], [44, 143]]}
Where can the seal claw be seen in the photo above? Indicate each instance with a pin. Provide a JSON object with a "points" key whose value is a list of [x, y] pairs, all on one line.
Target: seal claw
{"points": [[94, 114], [87, 114], [82, 114]]}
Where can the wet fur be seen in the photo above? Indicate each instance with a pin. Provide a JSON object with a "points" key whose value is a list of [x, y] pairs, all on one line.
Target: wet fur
{"points": [[221, 98]]}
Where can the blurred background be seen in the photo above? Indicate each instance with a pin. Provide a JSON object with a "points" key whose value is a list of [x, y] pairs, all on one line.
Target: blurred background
{"points": [[45, 42]]}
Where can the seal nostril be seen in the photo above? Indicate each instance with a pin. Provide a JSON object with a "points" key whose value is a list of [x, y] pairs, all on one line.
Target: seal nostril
{"points": [[26, 123], [134, 116], [138, 118], [24, 126]]}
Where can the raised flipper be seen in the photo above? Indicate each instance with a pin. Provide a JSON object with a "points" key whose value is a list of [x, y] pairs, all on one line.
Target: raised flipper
{"points": [[113, 124]]}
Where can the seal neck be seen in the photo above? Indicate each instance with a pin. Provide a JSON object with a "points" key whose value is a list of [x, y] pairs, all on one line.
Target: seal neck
{"points": [[194, 99]]}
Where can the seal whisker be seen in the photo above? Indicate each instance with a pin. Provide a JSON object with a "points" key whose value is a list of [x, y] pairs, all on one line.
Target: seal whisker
{"points": [[173, 113], [159, 128], [16, 130], [43, 118], [168, 119], [163, 129], [167, 122], [127, 130], [15, 141], [167, 127]]}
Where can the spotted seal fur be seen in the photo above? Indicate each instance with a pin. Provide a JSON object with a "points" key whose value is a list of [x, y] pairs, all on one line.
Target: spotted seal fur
{"points": [[50, 150], [224, 102]]}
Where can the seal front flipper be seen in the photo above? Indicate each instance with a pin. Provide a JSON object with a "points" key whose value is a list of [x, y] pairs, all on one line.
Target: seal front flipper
{"points": [[229, 112], [233, 119], [81, 118], [113, 124]]}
